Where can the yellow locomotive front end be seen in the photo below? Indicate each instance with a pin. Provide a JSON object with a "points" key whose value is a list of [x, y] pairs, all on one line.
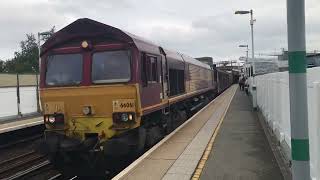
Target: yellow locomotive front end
{"points": [[96, 113], [90, 97], [91, 105]]}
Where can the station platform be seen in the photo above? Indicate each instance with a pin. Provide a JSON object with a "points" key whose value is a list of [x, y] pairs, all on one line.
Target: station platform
{"points": [[241, 149], [222, 141], [16, 124]]}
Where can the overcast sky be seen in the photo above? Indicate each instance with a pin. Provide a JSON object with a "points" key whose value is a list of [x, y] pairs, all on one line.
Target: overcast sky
{"points": [[194, 27]]}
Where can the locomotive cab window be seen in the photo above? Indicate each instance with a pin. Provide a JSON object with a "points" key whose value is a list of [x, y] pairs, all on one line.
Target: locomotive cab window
{"points": [[64, 69], [149, 69], [111, 67]]}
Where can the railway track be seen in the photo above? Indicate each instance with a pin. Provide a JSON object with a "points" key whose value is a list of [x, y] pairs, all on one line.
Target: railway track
{"points": [[22, 165], [20, 160], [61, 177], [29, 165], [21, 141]]}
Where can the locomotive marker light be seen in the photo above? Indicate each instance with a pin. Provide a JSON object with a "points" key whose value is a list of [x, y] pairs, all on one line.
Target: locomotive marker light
{"points": [[298, 90], [87, 110], [130, 117], [46, 119]]}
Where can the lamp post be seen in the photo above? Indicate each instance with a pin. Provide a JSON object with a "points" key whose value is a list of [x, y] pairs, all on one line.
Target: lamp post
{"points": [[252, 39], [254, 89], [40, 34], [246, 46], [247, 51]]}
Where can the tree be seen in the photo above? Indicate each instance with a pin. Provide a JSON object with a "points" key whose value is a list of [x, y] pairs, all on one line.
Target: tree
{"points": [[27, 59], [2, 66]]}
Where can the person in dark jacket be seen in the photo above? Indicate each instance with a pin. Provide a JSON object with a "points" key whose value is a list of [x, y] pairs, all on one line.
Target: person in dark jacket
{"points": [[241, 83]]}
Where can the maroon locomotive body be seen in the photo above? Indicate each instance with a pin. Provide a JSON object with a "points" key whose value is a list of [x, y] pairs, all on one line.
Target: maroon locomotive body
{"points": [[108, 92]]}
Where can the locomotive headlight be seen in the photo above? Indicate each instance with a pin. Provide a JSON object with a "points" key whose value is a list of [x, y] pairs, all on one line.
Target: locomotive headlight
{"points": [[54, 119], [51, 119], [130, 117], [86, 110], [46, 119], [124, 117], [84, 44]]}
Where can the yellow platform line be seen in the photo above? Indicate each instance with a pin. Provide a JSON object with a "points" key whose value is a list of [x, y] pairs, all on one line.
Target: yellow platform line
{"points": [[205, 155]]}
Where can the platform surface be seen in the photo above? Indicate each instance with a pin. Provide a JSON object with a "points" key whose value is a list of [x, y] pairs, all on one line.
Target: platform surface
{"points": [[16, 124], [241, 150], [177, 155]]}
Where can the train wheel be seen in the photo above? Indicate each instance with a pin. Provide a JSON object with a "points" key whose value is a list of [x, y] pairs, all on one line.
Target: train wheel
{"points": [[154, 134], [56, 160], [141, 138], [169, 124], [177, 118]]}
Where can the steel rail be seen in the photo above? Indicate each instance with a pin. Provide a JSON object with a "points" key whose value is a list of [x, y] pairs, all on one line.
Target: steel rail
{"points": [[16, 158], [29, 170], [18, 162], [21, 141], [59, 175]]}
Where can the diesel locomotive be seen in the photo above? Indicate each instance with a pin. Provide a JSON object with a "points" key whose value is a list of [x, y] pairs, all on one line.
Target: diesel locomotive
{"points": [[106, 92]]}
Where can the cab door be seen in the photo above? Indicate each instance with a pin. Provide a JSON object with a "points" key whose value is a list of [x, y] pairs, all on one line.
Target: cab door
{"points": [[165, 81], [164, 77], [151, 76]]}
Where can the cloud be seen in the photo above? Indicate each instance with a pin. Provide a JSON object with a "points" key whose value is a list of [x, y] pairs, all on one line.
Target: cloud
{"points": [[197, 28], [18, 19]]}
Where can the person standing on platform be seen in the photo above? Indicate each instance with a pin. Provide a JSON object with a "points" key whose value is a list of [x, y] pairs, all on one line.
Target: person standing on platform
{"points": [[246, 86], [241, 83]]}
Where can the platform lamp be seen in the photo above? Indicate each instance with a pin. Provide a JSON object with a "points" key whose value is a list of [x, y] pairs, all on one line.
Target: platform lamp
{"points": [[247, 51], [251, 24], [254, 88], [245, 46], [40, 34]]}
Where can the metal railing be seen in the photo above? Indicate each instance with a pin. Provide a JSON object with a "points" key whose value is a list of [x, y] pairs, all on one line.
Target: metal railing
{"points": [[19, 94], [274, 102]]}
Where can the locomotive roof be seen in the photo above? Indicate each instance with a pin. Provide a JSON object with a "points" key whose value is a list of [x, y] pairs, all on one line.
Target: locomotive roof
{"points": [[89, 28], [185, 58]]}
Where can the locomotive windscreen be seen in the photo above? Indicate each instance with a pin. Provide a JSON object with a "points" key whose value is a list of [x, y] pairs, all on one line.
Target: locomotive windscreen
{"points": [[64, 69], [111, 66]]}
